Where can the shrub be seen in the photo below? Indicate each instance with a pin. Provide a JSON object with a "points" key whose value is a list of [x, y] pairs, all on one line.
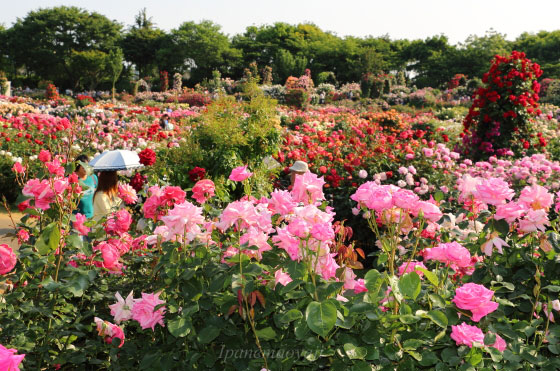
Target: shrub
{"points": [[499, 119], [297, 98]]}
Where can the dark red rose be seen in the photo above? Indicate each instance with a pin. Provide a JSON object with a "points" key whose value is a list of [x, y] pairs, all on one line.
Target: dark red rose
{"points": [[197, 174], [147, 157]]}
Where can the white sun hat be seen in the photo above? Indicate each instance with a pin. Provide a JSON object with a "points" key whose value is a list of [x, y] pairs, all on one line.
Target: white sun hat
{"points": [[299, 167]]}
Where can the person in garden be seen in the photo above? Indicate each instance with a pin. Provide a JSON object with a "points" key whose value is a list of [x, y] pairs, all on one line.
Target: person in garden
{"points": [[85, 206], [106, 197], [298, 168]]}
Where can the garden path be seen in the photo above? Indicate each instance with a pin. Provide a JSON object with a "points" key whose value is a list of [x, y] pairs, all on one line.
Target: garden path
{"points": [[7, 227]]}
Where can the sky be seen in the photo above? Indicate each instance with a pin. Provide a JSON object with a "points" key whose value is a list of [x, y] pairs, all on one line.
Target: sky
{"points": [[400, 19]]}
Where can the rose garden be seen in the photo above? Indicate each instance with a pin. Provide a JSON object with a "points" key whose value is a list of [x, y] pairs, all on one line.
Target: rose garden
{"points": [[423, 235]]}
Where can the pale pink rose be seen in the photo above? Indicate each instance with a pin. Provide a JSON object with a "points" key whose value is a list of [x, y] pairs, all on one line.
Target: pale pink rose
{"points": [[18, 168], [121, 310], [127, 194], [203, 190], [475, 298], [509, 211], [8, 259], [308, 188], [285, 240], [428, 152], [407, 267], [493, 240], [238, 211], [9, 360], [536, 197], [362, 174], [360, 286], [464, 334], [533, 221], [184, 219], [281, 202], [409, 156], [299, 227], [327, 266], [555, 305], [255, 237], [79, 224], [322, 232], [405, 199], [143, 311], [430, 211], [493, 191], [373, 196], [239, 174], [282, 278]]}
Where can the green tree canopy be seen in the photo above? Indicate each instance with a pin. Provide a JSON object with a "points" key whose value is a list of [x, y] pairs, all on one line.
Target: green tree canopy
{"points": [[50, 41]]}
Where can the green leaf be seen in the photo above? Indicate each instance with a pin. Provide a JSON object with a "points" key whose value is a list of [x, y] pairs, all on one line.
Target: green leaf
{"points": [[291, 315], [489, 338], [501, 226], [179, 327], [429, 275], [438, 196], [373, 281], [208, 334], [409, 285], [412, 344], [429, 358], [552, 288], [320, 317], [266, 333], [474, 357], [43, 244], [80, 282], [438, 318], [354, 352], [74, 241], [437, 300]]}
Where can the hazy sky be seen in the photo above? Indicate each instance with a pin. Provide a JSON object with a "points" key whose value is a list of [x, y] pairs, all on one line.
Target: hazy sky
{"points": [[409, 19]]}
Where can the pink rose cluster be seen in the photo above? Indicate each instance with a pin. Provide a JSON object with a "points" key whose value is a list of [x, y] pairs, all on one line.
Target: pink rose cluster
{"points": [[9, 360], [141, 310], [118, 222], [476, 298], [454, 255], [111, 252], [45, 191], [161, 199], [464, 334], [182, 222], [382, 198]]}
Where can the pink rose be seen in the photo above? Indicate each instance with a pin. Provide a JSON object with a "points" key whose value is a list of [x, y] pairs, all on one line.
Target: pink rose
{"points": [[536, 197], [308, 188], [7, 259], [203, 190], [322, 231], [493, 191], [281, 202], [450, 253], [18, 168], [121, 310], [109, 331], [509, 211], [239, 174], [127, 194], [282, 278], [79, 224], [44, 156], [23, 235], [9, 360], [475, 298], [500, 343], [464, 334], [119, 222], [407, 267], [533, 221], [428, 152], [431, 212], [143, 311]]}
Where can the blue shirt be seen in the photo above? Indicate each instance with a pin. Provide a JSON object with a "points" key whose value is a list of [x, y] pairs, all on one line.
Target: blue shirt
{"points": [[85, 206]]}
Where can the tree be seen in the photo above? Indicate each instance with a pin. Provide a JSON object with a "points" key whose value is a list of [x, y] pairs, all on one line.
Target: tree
{"points": [[142, 42], [115, 67], [198, 48], [47, 41], [543, 48]]}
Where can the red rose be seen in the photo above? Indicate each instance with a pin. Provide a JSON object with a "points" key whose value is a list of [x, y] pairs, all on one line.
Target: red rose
{"points": [[147, 157], [197, 174]]}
